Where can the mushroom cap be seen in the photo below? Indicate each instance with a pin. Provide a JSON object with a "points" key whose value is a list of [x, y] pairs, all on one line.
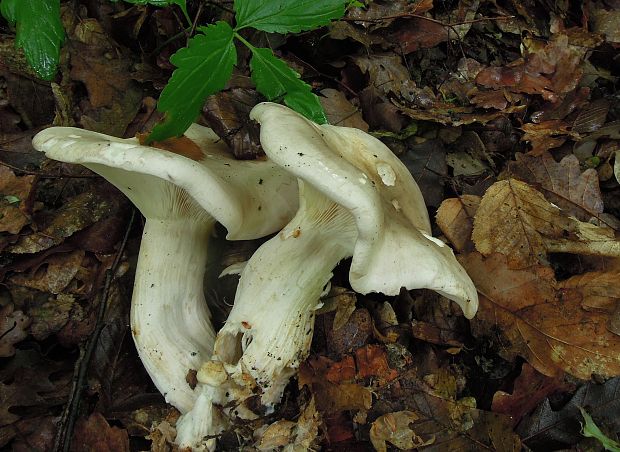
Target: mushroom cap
{"points": [[394, 247], [250, 198]]}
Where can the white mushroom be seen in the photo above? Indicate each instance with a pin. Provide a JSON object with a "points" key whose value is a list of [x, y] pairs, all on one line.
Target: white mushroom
{"points": [[356, 199], [181, 198]]}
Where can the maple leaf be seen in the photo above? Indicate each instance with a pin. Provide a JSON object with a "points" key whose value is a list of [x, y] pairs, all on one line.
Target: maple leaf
{"points": [[545, 325]]}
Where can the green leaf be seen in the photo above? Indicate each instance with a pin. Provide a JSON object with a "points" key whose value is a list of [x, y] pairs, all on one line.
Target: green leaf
{"points": [[287, 16], [590, 429], [39, 32], [275, 79], [8, 10], [203, 68]]}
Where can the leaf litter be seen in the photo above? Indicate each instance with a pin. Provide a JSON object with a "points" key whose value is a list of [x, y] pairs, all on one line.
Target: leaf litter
{"points": [[505, 114]]}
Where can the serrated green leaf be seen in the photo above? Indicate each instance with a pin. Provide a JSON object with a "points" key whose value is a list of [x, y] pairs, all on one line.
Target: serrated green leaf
{"points": [[8, 10], [275, 79], [287, 16], [39, 32], [203, 68]]}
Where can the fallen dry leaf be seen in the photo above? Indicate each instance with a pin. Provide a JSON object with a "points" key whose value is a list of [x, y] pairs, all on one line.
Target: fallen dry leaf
{"points": [[454, 425], [52, 275], [550, 426], [293, 436], [13, 329], [14, 193], [455, 218], [545, 135], [599, 290], [530, 388], [564, 184], [372, 361], [76, 214], [395, 428], [386, 72], [515, 220], [537, 320], [95, 434], [341, 112]]}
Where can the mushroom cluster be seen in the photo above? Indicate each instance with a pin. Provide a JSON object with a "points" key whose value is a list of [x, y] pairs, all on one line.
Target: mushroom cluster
{"points": [[355, 199]]}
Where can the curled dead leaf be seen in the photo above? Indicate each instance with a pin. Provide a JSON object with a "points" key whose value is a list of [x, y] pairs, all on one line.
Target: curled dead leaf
{"points": [[395, 428]]}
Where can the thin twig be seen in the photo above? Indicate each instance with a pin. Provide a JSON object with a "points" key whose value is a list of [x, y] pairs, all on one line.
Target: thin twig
{"points": [[62, 441], [430, 19], [46, 175]]}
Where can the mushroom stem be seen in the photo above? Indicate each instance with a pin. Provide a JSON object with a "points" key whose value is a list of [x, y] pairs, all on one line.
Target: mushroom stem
{"points": [[284, 279], [168, 295]]}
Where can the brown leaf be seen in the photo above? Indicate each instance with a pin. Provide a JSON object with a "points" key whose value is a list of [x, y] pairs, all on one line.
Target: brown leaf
{"points": [[298, 435], [454, 425], [563, 183], [227, 114], [418, 33], [545, 135], [13, 329], [341, 112], [76, 214], [113, 97], [530, 388], [372, 361], [540, 322], [95, 434], [600, 291], [52, 316], [52, 275], [395, 429], [331, 397], [386, 71], [14, 193], [515, 220], [606, 22], [455, 218], [512, 219]]}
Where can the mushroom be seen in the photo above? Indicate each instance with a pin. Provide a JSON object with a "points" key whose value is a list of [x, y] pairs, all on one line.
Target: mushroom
{"points": [[182, 198], [357, 200]]}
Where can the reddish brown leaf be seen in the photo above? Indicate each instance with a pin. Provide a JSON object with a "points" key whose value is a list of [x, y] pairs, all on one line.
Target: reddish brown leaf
{"points": [[530, 388], [418, 33], [95, 434], [372, 361], [540, 322], [341, 112], [545, 135], [600, 291], [14, 193]]}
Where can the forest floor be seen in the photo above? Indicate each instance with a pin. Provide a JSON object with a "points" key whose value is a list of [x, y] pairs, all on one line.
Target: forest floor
{"points": [[506, 113]]}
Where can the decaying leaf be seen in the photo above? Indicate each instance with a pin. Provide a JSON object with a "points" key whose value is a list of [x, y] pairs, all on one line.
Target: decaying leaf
{"points": [[292, 436], [454, 425], [530, 388], [341, 112], [515, 220], [545, 325], [455, 218], [551, 427], [76, 214], [14, 194], [563, 183], [386, 72], [52, 275], [599, 290], [395, 429], [226, 113], [13, 329], [94, 433]]}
